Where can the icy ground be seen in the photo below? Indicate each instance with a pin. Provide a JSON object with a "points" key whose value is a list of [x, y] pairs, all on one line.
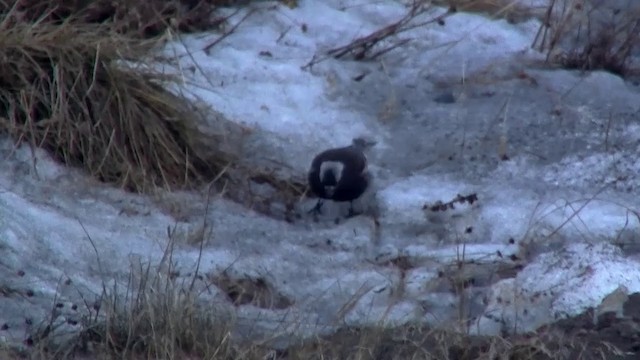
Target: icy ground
{"points": [[460, 109]]}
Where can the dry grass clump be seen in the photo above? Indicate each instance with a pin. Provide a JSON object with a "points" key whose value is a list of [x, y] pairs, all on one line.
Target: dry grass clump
{"points": [[592, 35], [512, 10], [160, 320], [135, 18], [419, 342], [67, 84], [154, 314], [66, 89]]}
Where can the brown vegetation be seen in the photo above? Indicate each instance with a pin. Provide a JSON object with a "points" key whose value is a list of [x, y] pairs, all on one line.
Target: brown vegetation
{"points": [[72, 82], [592, 35]]}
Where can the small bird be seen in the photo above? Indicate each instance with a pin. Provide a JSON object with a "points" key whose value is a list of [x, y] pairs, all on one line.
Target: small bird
{"points": [[340, 174]]}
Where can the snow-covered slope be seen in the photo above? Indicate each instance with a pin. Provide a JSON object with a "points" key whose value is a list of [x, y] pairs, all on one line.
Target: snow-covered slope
{"points": [[557, 193]]}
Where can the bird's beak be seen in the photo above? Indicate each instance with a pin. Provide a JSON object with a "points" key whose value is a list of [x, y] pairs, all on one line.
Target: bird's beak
{"points": [[365, 142]]}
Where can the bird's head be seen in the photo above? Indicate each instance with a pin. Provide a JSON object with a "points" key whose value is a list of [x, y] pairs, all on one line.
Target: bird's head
{"points": [[363, 143]]}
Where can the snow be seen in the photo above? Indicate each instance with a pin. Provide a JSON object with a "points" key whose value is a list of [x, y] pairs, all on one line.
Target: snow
{"points": [[575, 277], [544, 206]]}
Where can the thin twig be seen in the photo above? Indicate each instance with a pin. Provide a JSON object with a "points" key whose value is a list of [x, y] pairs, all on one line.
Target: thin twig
{"points": [[228, 32], [205, 225], [576, 212], [362, 45]]}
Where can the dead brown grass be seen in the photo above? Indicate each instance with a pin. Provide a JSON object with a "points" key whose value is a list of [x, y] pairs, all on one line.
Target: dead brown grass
{"points": [[134, 18], [512, 10], [416, 342], [66, 88], [592, 35], [159, 315], [67, 85]]}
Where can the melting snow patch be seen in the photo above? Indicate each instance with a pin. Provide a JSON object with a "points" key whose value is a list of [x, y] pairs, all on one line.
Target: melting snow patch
{"points": [[557, 285], [49, 227], [580, 276]]}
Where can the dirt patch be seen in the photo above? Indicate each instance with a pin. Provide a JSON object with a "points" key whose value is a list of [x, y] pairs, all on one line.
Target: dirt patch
{"points": [[248, 291]]}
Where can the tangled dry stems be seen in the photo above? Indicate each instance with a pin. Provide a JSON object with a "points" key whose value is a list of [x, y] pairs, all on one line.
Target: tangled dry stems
{"points": [[68, 89], [141, 19], [73, 81], [592, 36]]}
